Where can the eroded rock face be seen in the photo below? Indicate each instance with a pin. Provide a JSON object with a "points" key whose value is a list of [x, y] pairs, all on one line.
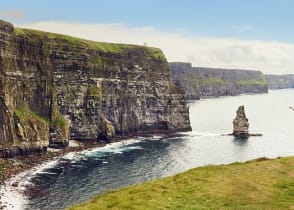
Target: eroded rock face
{"points": [[241, 124], [280, 81], [106, 130], [200, 82], [61, 87]]}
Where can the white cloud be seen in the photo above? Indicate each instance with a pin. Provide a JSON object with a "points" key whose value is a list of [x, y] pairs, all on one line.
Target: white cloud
{"points": [[270, 57]]}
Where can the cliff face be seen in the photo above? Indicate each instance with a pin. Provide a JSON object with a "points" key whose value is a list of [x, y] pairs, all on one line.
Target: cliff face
{"points": [[210, 82], [55, 87], [183, 76], [280, 81]]}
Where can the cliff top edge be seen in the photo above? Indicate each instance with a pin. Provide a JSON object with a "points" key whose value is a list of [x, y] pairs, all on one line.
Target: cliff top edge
{"points": [[55, 38]]}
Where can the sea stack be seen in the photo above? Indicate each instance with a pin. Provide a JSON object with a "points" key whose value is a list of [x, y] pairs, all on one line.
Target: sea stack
{"points": [[241, 124]]}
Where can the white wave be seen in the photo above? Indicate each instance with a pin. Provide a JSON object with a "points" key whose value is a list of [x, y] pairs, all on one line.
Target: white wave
{"points": [[13, 197], [156, 137], [46, 172], [40, 168], [200, 134], [134, 147], [113, 148], [12, 192], [208, 134]]}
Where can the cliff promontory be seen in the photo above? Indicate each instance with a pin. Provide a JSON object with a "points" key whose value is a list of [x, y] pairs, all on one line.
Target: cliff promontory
{"points": [[212, 82], [56, 87], [280, 81]]}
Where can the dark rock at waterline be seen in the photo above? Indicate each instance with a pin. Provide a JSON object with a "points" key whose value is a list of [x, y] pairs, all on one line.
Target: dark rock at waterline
{"points": [[16, 151], [241, 124], [14, 184]]}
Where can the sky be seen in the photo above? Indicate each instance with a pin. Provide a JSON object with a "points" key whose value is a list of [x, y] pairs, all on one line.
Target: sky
{"points": [[239, 34]]}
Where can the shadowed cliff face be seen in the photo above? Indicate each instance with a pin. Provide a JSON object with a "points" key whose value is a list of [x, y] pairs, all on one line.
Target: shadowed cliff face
{"points": [[59, 86], [280, 81], [210, 82]]}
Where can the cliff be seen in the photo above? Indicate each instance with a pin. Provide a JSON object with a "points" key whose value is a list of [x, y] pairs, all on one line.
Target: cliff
{"points": [[280, 81], [56, 87], [211, 82]]}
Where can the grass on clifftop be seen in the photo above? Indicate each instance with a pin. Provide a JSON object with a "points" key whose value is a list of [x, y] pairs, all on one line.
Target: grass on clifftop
{"points": [[259, 184], [105, 47], [36, 34], [251, 82]]}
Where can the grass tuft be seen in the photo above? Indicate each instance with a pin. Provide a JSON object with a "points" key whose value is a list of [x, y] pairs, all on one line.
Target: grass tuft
{"points": [[59, 121], [25, 113]]}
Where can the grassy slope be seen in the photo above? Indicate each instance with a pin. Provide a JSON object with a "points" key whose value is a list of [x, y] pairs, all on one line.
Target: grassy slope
{"points": [[53, 38], [257, 184]]}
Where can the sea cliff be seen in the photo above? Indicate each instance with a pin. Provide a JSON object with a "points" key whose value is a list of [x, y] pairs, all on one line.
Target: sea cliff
{"points": [[280, 81], [55, 87], [201, 82]]}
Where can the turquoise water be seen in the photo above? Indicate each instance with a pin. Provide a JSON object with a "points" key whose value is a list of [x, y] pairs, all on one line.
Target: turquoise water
{"points": [[79, 176]]}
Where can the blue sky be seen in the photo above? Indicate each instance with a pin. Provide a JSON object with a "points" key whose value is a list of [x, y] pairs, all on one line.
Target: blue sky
{"points": [[247, 34], [247, 19]]}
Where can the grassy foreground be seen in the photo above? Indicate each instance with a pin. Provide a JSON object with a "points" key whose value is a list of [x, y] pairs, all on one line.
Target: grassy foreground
{"points": [[258, 184]]}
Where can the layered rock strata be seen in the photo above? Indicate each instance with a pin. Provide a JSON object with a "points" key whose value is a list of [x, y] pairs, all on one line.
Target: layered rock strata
{"points": [[280, 81], [55, 87], [201, 82], [241, 124]]}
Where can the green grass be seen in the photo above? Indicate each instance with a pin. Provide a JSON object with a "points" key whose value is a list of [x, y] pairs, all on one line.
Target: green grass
{"points": [[251, 82], [59, 121], [24, 113], [97, 92], [55, 38], [61, 39], [260, 184], [19, 113], [155, 52]]}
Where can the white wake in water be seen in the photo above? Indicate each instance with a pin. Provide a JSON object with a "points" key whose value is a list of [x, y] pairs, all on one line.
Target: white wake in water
{"points": [[201, 134], [12, 193]]}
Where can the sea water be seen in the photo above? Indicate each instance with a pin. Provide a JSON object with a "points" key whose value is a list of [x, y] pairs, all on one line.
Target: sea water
{"points": [[79, 176]]}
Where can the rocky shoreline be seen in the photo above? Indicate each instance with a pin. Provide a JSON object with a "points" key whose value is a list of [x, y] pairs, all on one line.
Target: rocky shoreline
{"points": [[18, 164], [14, 166]]}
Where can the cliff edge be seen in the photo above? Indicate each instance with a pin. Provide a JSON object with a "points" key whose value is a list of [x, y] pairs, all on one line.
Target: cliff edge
{"points": [[201, 82], [280, 81], [56, 87]]}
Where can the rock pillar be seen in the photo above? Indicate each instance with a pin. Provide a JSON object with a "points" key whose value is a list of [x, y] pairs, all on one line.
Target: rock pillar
{"points": [[241, 124]]}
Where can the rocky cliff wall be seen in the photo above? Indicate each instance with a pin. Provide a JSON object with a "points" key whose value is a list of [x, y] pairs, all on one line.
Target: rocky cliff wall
{"points": [[280, 81], [55, 87], [211, 82]]}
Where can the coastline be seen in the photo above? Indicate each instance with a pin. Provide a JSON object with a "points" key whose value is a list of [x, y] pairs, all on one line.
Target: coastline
{"points": [[14, 168], [261, 183], [19, 164]]}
